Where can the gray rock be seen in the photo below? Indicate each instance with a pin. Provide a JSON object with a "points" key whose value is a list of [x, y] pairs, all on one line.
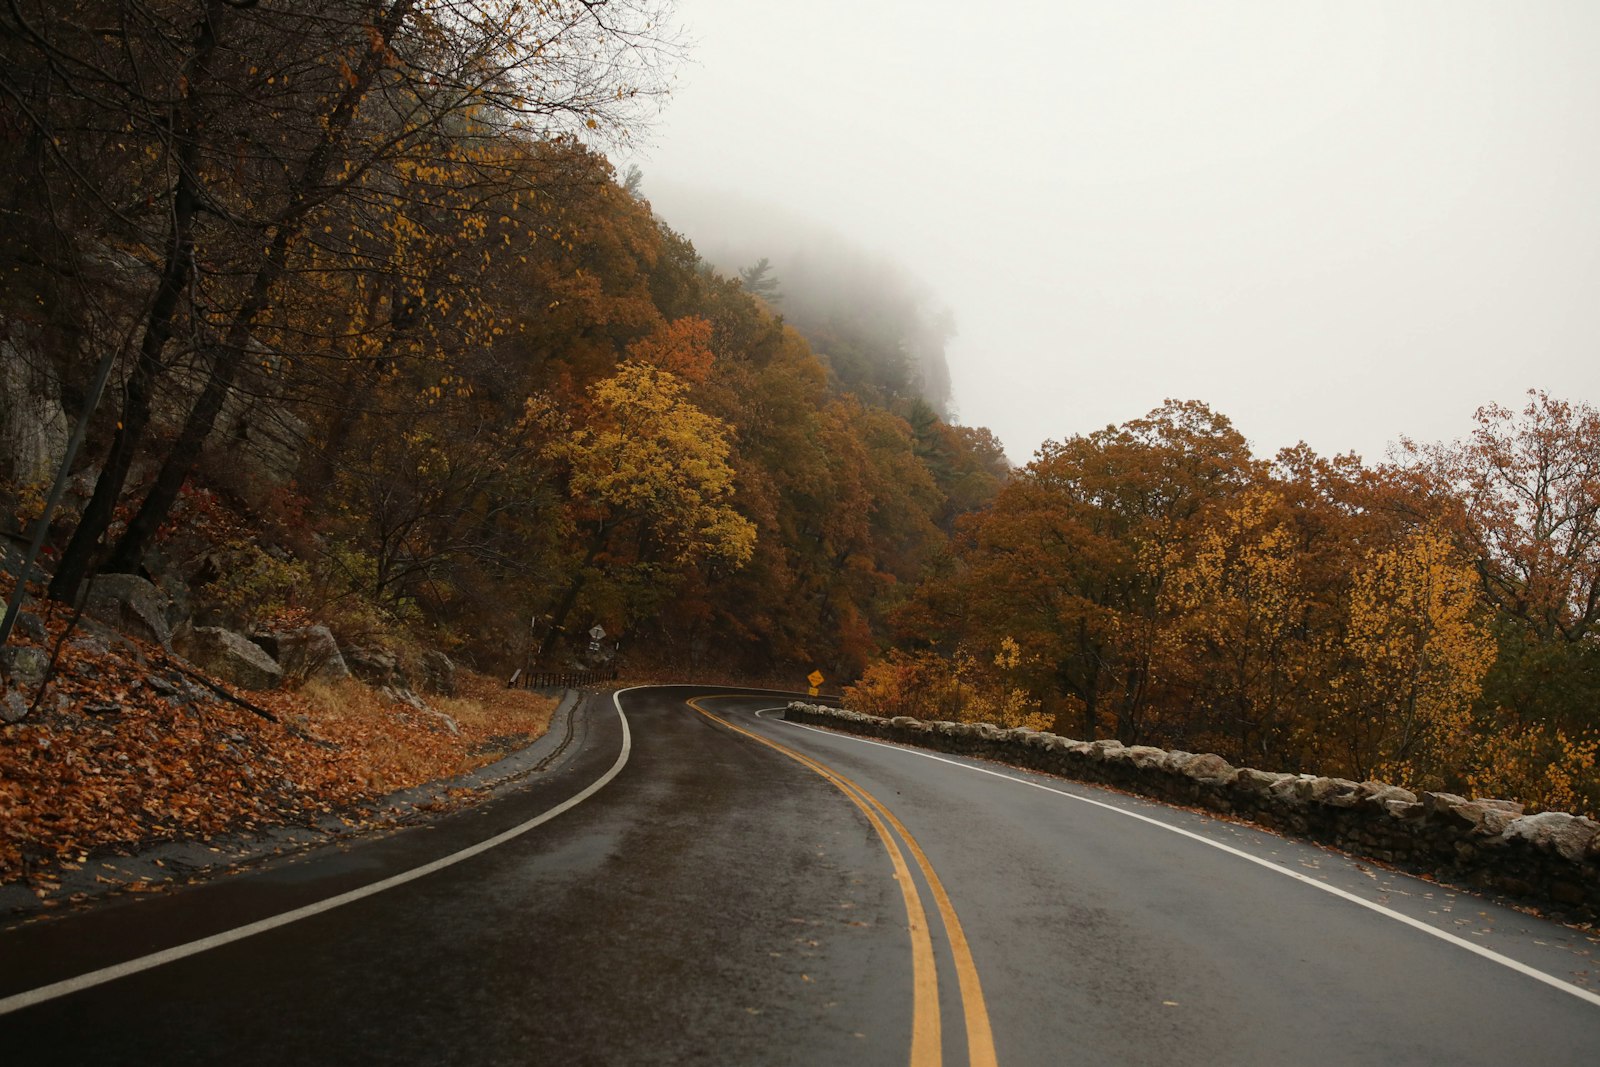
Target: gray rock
{"points": [[33, 426], [1257, 783], [161, 686], [1104, 750], [1209, 767], [376, 666], [13, 707], [1569, 835], [1378, 792], [131, 605], [1145, 757], [306, 654], [24, 665], [1291, 788], [90, 645], [1441, 804], [438, 673], [30, 626], [1404, 809], [230, 656], [399, 694], [1335, 792], [1489, 816]]}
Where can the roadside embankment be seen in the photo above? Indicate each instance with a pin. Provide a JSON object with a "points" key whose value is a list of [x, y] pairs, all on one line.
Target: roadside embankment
{"points": [[1551, 858]]}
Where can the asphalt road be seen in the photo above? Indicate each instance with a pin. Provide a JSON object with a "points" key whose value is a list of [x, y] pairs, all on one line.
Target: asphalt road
{"points": [[679, 890]]}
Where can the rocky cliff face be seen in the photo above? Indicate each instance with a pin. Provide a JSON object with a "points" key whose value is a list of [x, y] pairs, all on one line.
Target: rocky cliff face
{"points": [[33, 427]]}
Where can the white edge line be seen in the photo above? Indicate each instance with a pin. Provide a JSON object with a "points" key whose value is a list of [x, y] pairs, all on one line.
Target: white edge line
{"points": [[30, 997], [1416, 924]]}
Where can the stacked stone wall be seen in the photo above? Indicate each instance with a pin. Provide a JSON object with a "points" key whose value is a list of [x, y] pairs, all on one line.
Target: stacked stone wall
{"points": [[1550, 858]]}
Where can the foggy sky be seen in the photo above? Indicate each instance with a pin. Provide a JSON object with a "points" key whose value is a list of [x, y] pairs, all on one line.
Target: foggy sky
{"points": [[1336, 222]]}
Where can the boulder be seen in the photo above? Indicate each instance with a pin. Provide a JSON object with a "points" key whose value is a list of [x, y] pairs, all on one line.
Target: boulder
{"points": [[1257, 783], [23, 665], [1501, 805], [1145, 757], [1105, 749], [438, 673], [305, 654], [13, 707], [31, 626], [131, 605], [1382, 792], [1335, 792], [1208, 767], [1441, 805], [1489, 816], [230, 656], [377, 667], [1293, 789], [1569, 835]]}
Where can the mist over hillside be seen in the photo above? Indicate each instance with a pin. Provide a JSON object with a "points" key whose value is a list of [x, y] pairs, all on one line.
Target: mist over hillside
{"points": [[881, 330]]}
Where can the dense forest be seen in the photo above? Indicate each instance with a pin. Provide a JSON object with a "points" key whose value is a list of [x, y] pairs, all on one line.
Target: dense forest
{"points": [[1433, 621], [394, 350], [362, 330]]}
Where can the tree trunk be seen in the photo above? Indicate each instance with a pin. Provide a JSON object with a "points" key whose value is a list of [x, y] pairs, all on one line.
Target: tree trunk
{"points": [[180, 461], [569, 599], [78, 556]]}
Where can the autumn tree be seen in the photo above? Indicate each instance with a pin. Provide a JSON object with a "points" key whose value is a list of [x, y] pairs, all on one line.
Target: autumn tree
{"points": [[1071, 558], [1237, 629], [265, 127], [1416, 650], [647, 466]]}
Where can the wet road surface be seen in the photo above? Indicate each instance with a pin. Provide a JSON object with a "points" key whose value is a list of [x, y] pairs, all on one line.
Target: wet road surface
{"points": [[704, 883]]}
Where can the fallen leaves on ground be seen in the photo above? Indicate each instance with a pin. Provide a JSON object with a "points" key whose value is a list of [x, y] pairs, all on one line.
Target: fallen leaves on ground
{"points": [[125, 751]]}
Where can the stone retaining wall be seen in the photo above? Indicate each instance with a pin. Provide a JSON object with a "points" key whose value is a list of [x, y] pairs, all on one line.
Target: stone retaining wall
{"points": [[1550, 858]]}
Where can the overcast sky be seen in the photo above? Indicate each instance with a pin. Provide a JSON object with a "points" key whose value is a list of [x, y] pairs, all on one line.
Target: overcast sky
{"points": [[1337, 222]]}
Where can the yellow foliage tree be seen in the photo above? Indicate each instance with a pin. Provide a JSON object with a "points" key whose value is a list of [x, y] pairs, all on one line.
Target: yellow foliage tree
{"points": [[647, 458], [1416, 652], [927, 685], [1236, 605]]}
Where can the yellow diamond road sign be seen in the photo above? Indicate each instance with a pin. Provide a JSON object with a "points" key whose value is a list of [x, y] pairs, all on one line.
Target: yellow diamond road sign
{"points": [[815, 678]]}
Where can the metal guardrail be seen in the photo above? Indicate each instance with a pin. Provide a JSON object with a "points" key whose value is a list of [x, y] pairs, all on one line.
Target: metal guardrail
{"points": [[560, 679]]}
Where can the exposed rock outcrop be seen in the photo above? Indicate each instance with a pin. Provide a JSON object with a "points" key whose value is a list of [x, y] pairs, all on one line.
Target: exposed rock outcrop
{"points": [[131, 605], [305, 654], [438, 673], [378, 667], [230, 656], [33, 427]]}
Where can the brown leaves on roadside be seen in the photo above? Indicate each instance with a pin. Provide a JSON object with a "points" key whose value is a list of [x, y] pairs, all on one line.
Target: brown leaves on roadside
{"points": [[172, 761]]}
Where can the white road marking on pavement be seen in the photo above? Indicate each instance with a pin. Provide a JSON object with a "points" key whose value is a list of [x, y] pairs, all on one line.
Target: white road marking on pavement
{"points": [[1416, 924], [177, 952]]}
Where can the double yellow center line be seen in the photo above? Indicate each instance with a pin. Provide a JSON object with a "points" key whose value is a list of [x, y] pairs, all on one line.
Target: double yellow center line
{"points": [[927, 1048]]}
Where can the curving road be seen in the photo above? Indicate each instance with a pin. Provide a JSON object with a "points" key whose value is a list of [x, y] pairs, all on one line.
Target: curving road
{"points": [[704, 883]]}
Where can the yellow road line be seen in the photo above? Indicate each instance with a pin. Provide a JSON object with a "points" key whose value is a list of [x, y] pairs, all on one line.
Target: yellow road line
{"points": [[926, 1040], [980, 1036]]}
